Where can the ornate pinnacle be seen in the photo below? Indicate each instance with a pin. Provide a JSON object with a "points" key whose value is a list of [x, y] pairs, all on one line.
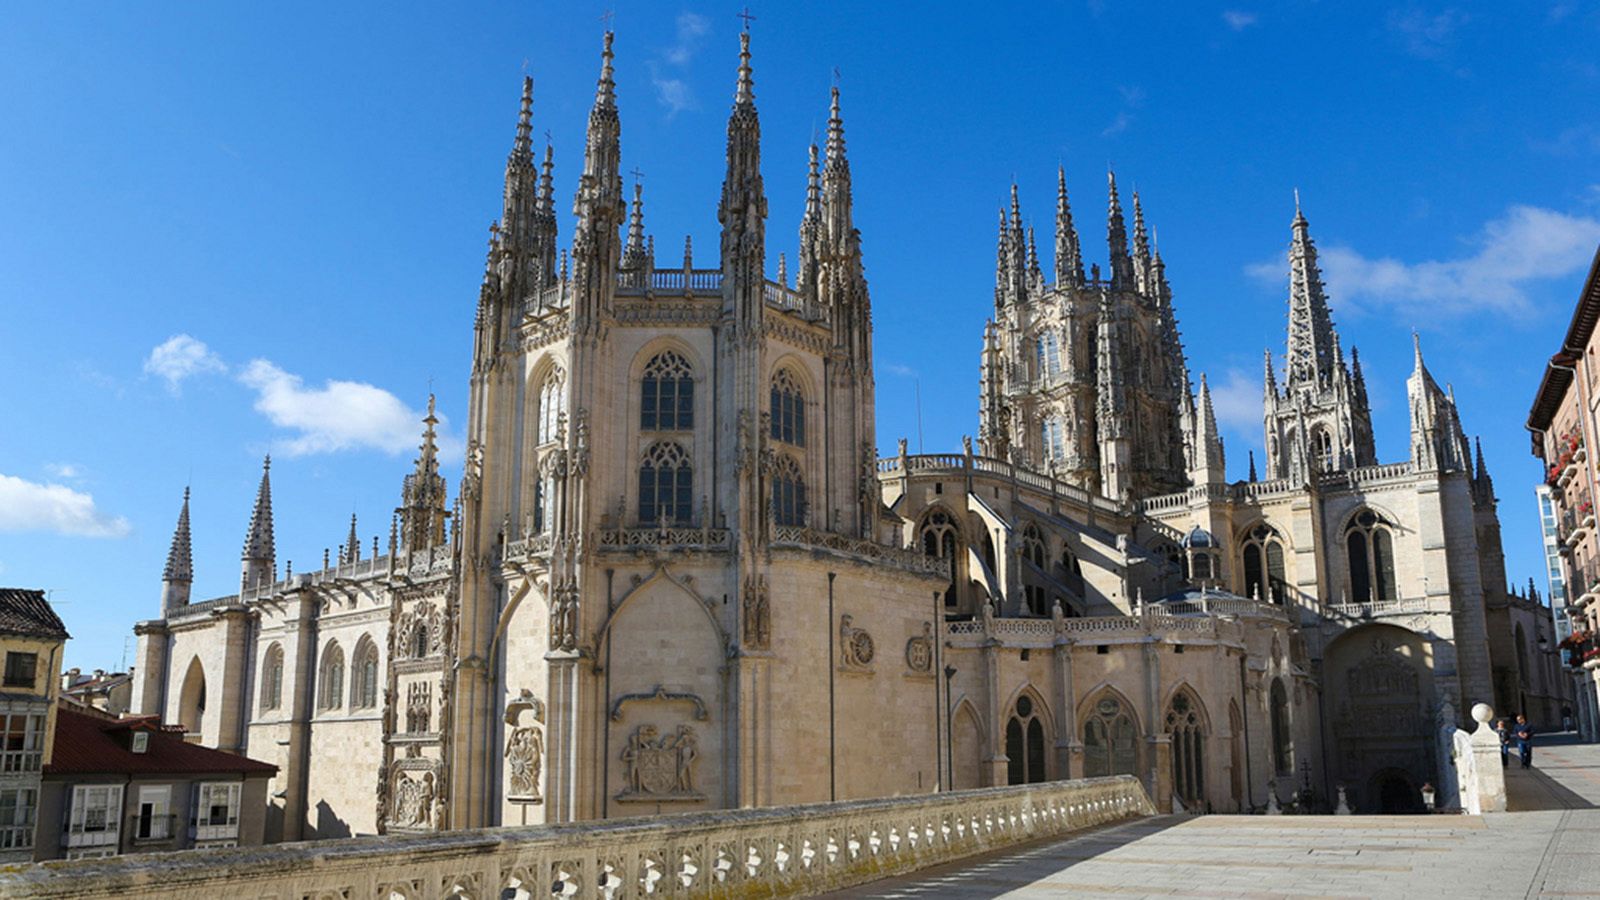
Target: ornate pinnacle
{"points": [[180, 558]]}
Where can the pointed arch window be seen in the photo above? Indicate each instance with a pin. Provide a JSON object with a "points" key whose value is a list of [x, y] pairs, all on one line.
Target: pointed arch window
{"points": [[1183, 723], [1033, 551], [666, 401], [364, 691], [939, 541], [1369, 548], [331, 678], [1263, 565], [1109, 739], [666, 485], [1282, 737], [1049, 353], [788, 409], [1322, 449], [788, 491], [1025, 743], [1054, 443], [552, 404], [272, 678]]}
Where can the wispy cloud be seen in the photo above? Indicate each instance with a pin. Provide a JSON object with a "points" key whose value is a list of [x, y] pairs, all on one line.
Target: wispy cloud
{"points": [[1132, 99], [1425, 34], [903, 371], [1526, 245], [1236, 399], [340, 415], [1238, 19], [179, 358], [31, 506], [666, 73], [63, 470]]}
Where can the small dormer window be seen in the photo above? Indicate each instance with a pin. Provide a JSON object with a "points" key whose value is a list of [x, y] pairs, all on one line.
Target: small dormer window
{"points": [[141, 741]]}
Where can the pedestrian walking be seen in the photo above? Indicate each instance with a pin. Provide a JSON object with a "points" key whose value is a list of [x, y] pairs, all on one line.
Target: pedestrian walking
{"points": [[1504, 731], [1524, 736]]}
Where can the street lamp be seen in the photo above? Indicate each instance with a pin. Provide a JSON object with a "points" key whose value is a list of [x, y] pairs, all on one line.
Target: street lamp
{"points": [[1427, 796]]}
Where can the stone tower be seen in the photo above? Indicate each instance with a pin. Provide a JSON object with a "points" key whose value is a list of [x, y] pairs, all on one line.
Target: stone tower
{"points": [[1319, 421], [1086, 376]]}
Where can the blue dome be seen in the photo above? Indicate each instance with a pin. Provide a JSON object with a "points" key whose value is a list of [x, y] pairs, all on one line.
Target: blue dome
{"points": [[1199, 537]]}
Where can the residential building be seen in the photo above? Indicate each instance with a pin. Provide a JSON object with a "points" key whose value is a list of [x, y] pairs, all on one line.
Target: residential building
{"points": [[132, 785], [32, 640], [1563, 423], [110, 692]]}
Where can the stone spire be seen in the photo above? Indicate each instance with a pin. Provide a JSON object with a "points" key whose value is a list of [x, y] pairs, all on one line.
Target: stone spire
{"points": [[1270, 377], [1141, 246], [1312, 357], [352, 544], [259, 566], [1209, 464], [598, 205], [634, 254], [422, 508], [810, 230], [1437, 441], [178, 575], [1002, 264], [742, 211], [1252, 465], [1116, 458], [836, 198], [1117, 238], [1482, 484], [846, 302], [1069, 254], [992, 427]]}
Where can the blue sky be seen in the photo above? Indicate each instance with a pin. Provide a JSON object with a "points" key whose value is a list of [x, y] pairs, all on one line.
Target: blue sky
{"points": [[227, 229]]}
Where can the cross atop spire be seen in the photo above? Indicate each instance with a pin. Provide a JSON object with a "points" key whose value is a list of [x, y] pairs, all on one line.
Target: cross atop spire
{"points": [[747, 17]]}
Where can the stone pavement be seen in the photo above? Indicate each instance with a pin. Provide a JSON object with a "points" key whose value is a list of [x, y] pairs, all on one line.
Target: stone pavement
{"points": [[1547, 845]]}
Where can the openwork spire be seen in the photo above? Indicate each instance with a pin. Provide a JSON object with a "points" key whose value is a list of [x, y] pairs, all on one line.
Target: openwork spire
{"points": [[422, 508], [836, 199], [180, 558], [1069, 255], [259, 556], [634, 254], [352, 543], [1117, 236], [1312, 353]]}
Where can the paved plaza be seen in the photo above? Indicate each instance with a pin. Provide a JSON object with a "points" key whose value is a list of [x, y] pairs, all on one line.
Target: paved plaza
{"points": [[1547, 845]]}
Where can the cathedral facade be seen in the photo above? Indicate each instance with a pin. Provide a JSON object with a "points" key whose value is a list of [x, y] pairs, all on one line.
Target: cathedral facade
{"points": [[676, 575]]}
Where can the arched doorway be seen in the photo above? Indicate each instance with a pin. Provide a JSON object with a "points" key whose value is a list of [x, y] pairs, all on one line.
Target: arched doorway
{"points": [[1394, 793]]}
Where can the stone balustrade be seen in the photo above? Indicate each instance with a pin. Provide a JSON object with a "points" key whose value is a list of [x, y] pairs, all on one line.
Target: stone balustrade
{"points": [[1207, 618], [778, 851]]}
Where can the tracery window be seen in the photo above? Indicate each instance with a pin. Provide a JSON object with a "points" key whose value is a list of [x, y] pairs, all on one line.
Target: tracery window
{"points": [[667, 394], [788, 409], [666, 485], [1322, 446], [1049, 353], [1025, 743], [331, 695], [1109, 739], [552, 404], [1055, 445], [788, 491], [1370, 550], [939, 540], [1263, 565], [1282, 737], [272, 678], [1183, 723], [364, 692]]}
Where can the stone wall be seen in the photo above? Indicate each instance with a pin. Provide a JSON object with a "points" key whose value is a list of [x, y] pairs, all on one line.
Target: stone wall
{"points": [[756, 852]]}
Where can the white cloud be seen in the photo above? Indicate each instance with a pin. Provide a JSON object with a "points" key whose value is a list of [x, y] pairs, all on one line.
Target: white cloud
{"points": [[903, 371], [340, 415], [31, 506], [1527, 244], [1238, 19], [1426, 35], [1118, 125], [180, 357], [1237, 401], [672, 91], [63, 470]]}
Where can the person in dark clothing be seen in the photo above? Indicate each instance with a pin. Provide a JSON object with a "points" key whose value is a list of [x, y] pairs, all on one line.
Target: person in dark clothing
{"points": [[1504, 730], [1524, 735]]}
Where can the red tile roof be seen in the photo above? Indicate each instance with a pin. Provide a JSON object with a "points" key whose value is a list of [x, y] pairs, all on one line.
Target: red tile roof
{"points": [[91, 745], [28, 613]]}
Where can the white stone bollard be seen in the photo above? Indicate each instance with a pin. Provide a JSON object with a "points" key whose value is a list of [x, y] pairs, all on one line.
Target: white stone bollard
{"points": [[1490, 777]]}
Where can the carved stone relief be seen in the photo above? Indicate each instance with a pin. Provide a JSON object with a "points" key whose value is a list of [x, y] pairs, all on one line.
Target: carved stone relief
{"points": [[855, 646], [919, 650], [757, 613], [419, 708], [660, 767], [525, 748]]}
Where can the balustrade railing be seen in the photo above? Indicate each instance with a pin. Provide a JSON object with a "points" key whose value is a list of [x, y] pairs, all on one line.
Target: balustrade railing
{"points": [[779, 851]]}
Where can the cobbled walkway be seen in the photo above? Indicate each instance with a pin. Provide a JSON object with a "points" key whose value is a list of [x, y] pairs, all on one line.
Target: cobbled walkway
{"points": [[1546, 845]]}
